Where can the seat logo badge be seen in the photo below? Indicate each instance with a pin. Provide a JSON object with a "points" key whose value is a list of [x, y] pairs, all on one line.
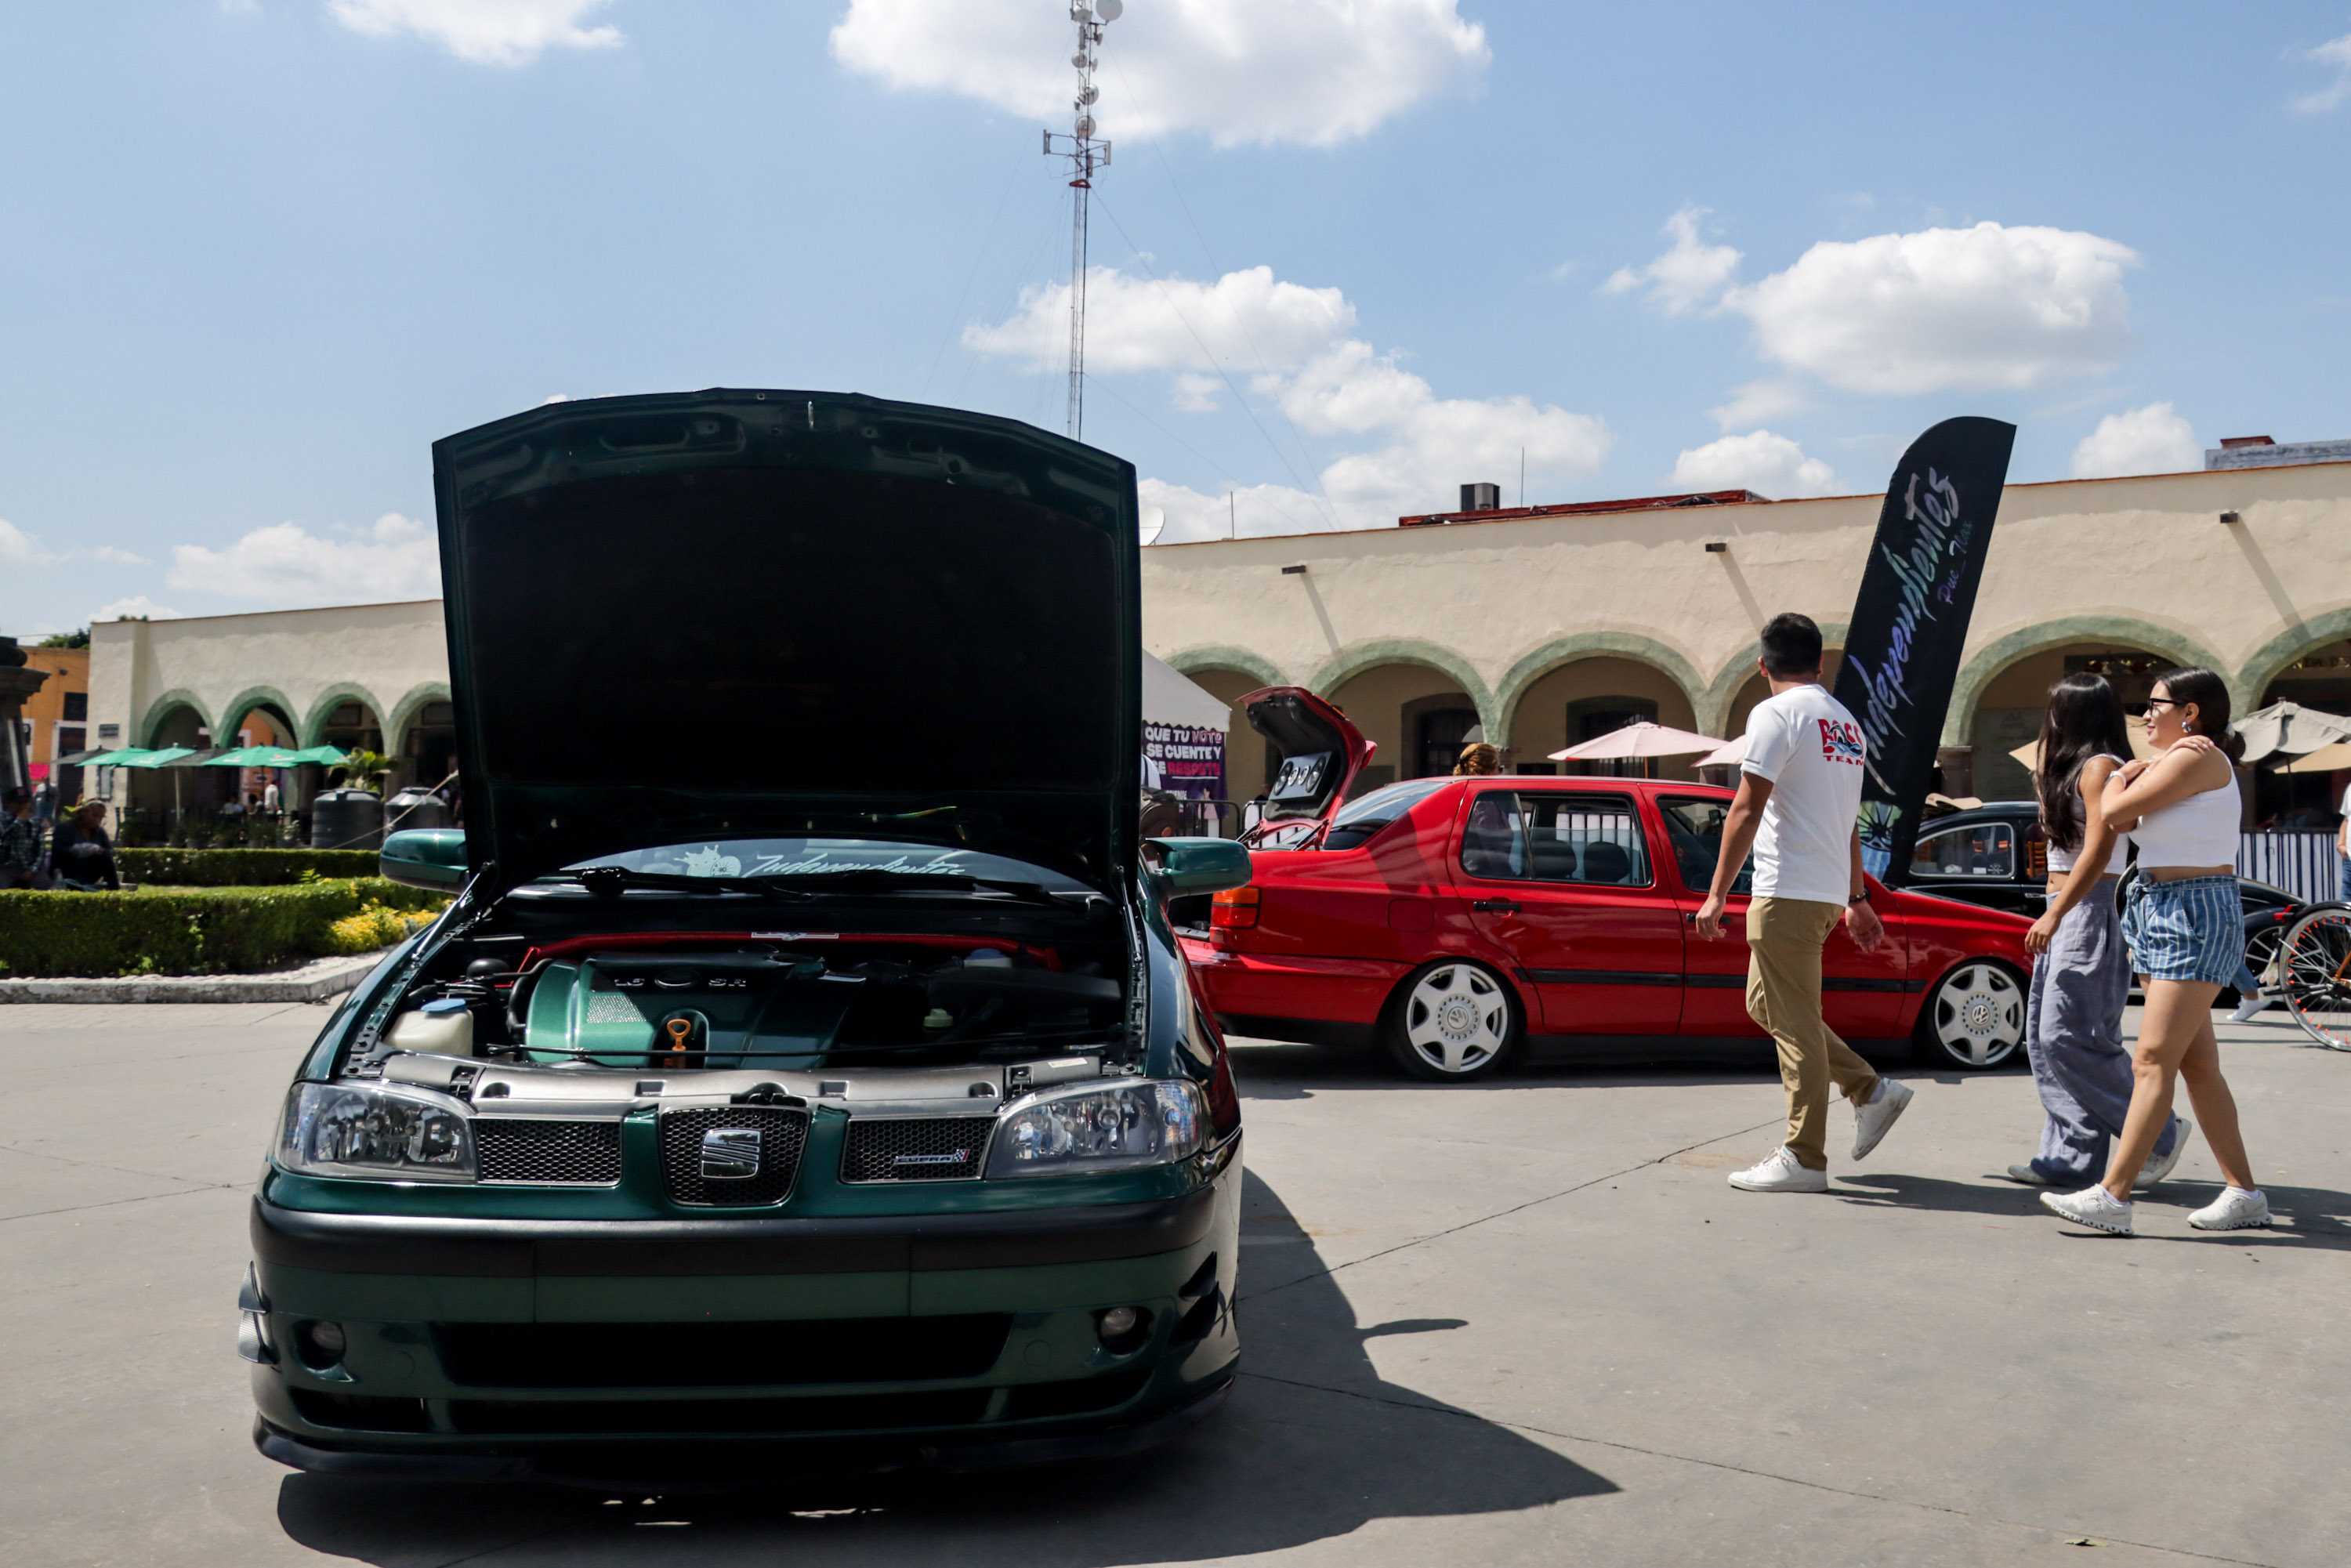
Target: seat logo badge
{"points": [[730, 1154]]}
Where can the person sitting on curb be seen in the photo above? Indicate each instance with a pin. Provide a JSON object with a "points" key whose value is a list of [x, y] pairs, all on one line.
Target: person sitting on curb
{"points": [[81, 854], [1799, 805]]}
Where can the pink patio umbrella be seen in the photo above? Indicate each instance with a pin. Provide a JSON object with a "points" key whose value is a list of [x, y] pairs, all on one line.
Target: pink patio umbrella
{"points": [[1639, 739]]}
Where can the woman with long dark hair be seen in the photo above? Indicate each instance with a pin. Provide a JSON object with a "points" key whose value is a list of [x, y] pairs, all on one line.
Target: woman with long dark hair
{"points": [[2185, 924], [2081, 978]]}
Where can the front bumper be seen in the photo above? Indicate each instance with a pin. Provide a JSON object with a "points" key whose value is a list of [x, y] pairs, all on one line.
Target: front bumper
{"points": [[495, 1348]]}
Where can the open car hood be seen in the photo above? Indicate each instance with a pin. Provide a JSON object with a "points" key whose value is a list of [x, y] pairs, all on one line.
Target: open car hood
{"points": [[1321, 754], [731, 613]]}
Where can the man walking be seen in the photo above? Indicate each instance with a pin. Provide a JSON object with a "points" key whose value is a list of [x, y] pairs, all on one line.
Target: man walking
{"points": [[1798, 807]]}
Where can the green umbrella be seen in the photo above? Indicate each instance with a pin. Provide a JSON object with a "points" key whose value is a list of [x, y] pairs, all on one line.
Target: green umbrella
{"points": [[274, 756], [240, 757], [163, 759], [116, 758], [326, 756]]}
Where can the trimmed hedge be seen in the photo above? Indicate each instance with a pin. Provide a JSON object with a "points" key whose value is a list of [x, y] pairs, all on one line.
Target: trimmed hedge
{"points": [[238, 868], [199, 930]]}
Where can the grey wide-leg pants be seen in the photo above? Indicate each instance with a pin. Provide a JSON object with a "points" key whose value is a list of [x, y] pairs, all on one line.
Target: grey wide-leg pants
{"points": [[2074, 1035]]}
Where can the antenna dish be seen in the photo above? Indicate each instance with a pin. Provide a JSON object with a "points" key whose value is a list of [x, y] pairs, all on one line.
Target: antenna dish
{"points": [[1109, 10], [1154, 519], [1089, 93], [1085, 125]]}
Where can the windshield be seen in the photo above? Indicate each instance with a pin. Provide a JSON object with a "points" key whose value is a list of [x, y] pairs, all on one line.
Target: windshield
{"points": [[821, 857], [1360, 818]]}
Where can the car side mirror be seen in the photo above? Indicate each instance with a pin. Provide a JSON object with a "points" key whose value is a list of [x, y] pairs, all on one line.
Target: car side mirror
{"points": [[1175, 866], [430, 858]]}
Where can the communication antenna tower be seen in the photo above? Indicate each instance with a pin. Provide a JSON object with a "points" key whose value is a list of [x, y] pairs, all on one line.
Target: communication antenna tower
{"points": [[1086, 155]]}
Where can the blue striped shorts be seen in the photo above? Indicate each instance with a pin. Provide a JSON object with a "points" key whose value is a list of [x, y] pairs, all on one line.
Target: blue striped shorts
{"points": [[2192, 929]]}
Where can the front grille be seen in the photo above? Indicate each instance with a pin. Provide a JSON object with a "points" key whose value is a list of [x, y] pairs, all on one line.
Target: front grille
{"points": [[782, 1135], [360, 1411], [925, 1148], [512, 1148], [829, 1413], [720, 1354]]}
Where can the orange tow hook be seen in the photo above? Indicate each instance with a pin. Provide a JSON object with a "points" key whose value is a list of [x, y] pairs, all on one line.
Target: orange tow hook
{"points": [[680, 1031]]}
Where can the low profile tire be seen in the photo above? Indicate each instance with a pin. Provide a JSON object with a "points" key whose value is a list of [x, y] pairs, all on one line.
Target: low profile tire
{"points": [[1453, 1022], [1973, 1018]]}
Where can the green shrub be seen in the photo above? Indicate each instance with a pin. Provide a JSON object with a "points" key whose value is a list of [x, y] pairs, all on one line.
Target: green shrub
{"points": [[374, 926], [194, 930], [239, 868]]}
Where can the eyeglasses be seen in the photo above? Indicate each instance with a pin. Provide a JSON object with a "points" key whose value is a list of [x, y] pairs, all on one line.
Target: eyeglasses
{"points": [[2140, 710]]}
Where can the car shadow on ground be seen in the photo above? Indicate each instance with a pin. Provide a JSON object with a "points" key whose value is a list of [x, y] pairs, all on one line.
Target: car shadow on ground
{"points": [[1313, 1444], [1269, 1070]]}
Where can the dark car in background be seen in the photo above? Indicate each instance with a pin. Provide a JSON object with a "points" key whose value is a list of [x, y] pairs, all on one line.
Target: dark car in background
{"points": [[1996, 856]]}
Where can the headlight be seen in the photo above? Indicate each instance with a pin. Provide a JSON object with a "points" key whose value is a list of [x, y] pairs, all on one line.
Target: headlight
{"points": [[339, 1130], [1153, 1124]]}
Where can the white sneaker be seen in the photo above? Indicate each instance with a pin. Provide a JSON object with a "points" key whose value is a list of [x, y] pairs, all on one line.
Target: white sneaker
{"points": [[2158, 1166], [1871, 1122], [2235, 1210], [2093, 1206], [2028, 1176], [1779, 1173], [2251, 1008]]}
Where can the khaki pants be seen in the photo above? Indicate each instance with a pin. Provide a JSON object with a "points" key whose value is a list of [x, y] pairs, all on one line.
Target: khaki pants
{"points": [[1784, 937]]}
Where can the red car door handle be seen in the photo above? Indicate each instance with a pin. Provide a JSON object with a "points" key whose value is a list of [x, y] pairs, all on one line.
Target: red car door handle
{"points": [[1494, 905]]}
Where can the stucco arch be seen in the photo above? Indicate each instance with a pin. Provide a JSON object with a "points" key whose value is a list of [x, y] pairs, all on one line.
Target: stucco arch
{"points": [[1714, 704], [232, 712], [1351, 661], [395, 727], [332, 697], [1561, 651], [2269, 662], [1999, 654], [1192, 660], [160, 709]]}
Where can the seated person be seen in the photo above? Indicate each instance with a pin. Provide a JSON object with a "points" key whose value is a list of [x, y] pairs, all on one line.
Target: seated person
{"points": [[20, 842], [80, 853]]}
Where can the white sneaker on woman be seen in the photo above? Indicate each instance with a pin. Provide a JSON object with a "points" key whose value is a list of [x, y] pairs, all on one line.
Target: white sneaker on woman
{"points": [[2158, 1166], [2093, 1206], [2235, 1210], [2251, 1008], [1779, 1172]]}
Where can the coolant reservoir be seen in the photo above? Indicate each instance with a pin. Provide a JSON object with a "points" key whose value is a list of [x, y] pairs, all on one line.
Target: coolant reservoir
{"points": [[444, 1028]]}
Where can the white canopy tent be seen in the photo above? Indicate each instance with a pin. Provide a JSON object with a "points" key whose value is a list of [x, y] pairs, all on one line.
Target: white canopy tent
{"points": [[1168, 697]]}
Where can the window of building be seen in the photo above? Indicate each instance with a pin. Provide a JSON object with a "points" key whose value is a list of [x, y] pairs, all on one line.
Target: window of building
{"points": [[1985, 850], [1441, 736], [1589, 718], [77, 708]]}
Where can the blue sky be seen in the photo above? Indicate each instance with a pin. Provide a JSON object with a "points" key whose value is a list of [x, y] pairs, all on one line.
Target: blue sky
{"points": [[255, 256]]}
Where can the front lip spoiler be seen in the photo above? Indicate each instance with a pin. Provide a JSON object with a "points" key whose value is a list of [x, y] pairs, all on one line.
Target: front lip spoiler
{"points": [[530, 1249], [547, 1468]]}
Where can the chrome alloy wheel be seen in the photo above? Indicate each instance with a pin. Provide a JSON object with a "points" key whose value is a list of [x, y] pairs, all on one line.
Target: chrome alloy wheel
{"points": [[1976, 1017], [1457, 1019]]}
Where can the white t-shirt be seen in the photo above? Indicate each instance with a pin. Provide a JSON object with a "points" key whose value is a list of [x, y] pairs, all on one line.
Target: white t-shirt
{"points": [[1812, 752]]}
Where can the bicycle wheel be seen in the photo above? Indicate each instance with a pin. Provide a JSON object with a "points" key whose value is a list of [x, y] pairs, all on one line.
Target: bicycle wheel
{"points": [[2316, 963]]}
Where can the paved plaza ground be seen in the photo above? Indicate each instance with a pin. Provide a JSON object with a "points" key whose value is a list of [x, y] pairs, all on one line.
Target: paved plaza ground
{"points": [[1522, 1323]]}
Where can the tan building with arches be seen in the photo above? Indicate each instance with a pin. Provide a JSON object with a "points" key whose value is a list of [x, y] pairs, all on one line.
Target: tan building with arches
{"points": [[1542, 630]]}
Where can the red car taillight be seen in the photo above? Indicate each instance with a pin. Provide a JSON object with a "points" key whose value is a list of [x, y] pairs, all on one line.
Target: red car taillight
{"points": [[1234, 908]]}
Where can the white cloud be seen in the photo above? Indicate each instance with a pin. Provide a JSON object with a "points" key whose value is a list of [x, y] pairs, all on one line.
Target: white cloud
{"points": [[137, 607], [1945, 310], [1689, 275], [2150, 440], [1297, 345], [395, 559], [2336, 52], [1247, 512], [114, 556], [1760, 402], [1312, 71], [482, 32], [1143, 324], [18, 547], [1768, 464]]}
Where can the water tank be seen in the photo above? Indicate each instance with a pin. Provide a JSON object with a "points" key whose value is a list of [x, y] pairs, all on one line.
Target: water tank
{"points": [[346, 820], [416, 808]]}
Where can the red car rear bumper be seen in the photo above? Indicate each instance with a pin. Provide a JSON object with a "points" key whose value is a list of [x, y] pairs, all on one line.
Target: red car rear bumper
{"points": [[1256, 985]]}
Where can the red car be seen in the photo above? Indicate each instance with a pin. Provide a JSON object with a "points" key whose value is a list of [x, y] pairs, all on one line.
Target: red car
{"points": [[1453, 917]]}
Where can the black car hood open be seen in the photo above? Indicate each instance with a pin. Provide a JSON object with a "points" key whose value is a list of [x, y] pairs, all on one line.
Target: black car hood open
{"points": [[728, 613]]}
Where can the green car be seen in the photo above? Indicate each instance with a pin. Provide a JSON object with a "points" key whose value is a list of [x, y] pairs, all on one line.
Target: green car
{"points": [[804, 1078]]}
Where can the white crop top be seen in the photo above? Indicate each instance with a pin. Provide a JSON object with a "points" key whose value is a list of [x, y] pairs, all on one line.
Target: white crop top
{"points": [[2062, 860], [2200, 831]]}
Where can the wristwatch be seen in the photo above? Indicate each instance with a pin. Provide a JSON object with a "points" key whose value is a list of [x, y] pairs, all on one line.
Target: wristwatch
{"points": [[1861, 898]]}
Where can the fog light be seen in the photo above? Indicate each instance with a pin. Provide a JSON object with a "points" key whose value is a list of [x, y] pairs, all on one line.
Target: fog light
{"points": [[1122, 1329], [322, 1344]]}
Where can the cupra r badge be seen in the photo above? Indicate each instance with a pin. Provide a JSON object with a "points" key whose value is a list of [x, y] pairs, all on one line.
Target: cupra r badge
{"points": [[730, 1154]]}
